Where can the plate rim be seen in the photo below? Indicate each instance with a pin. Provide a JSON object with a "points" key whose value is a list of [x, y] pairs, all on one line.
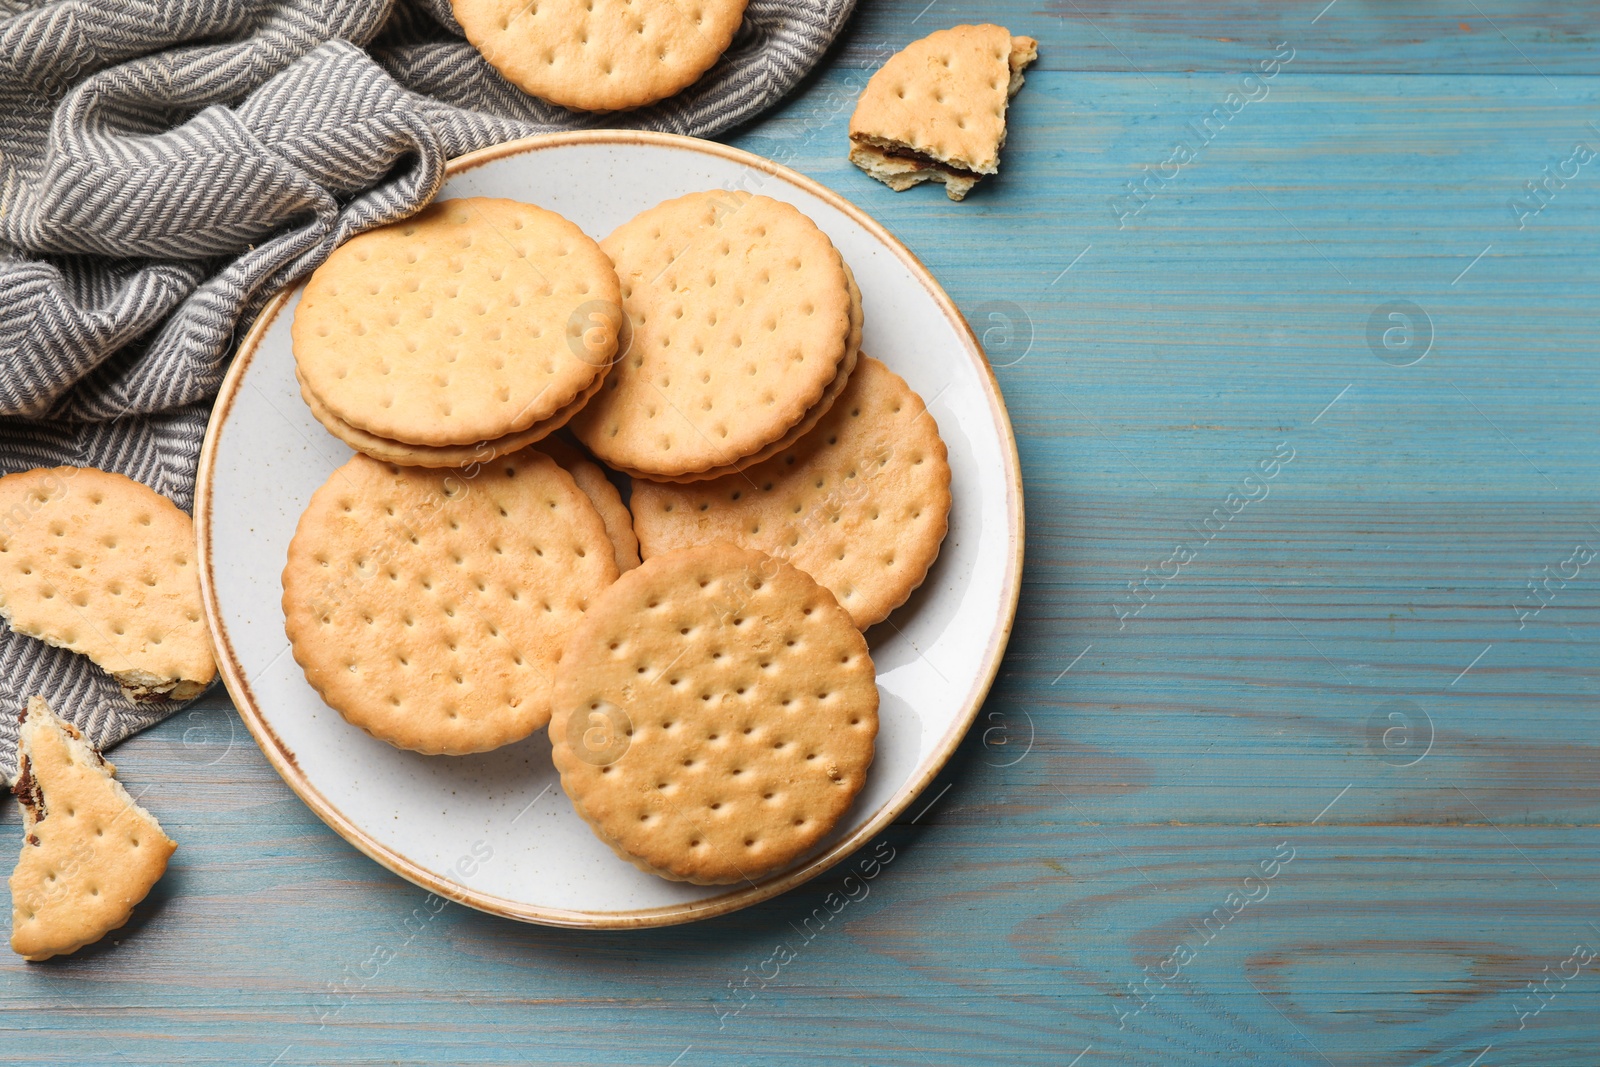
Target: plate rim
{"points": [[284, 761]]}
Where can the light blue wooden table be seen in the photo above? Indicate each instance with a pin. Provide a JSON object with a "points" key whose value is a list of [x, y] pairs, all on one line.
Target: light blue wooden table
{"points": [[1320, 788]]}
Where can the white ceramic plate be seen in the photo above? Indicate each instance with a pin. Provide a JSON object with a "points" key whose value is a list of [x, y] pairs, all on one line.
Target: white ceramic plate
{"points": [[495, 831]]}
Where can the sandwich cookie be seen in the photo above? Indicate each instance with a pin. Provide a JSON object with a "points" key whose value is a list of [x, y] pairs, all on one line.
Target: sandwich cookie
{"points": [[740, 312], [471, 320], [429, 608], [600, 55], [89, 853], [715, 715], [861, 503]]}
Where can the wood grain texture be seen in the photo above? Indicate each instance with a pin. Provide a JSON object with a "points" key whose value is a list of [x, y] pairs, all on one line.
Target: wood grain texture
{"points": [[1353, 36], [1323, 792]]}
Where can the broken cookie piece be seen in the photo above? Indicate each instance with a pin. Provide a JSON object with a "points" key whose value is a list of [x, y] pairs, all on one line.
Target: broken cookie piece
{"points": [[89, 853], [936, 111], [102, 565]]}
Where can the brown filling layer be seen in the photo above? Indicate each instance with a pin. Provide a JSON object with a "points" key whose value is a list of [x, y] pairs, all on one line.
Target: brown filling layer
{"points": [[27, 792], [26, 789], [147, 694], [926, 162]]}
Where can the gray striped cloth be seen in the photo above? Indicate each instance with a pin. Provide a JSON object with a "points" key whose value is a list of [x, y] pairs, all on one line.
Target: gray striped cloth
{"points": [[166, 165]]}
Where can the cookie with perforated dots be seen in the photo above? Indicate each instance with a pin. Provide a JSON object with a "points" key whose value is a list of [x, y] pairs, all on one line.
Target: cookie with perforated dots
{"points": [[808, 421], [89, 852], [936, 111], [428, 607], [600, 55], [715, 715], [470, 323], [103, 565], [740, 315]]}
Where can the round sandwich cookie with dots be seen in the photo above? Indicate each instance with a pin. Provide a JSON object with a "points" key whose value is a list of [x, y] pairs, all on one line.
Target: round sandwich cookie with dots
{"points": [[430, 609], [473, 321], [741, 317], [808, 421], [600, 55], [715, 715]]}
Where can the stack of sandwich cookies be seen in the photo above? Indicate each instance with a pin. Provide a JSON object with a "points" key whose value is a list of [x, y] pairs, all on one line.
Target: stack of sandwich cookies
{"points": [[473, 577], [715, 715], [742, 317], [861, 503], [470, 330], [429, 609]]}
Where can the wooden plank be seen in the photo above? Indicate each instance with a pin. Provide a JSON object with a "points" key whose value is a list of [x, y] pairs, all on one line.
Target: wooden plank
{"points": [[1144, 751], [1377, 944], [1346, 36]]}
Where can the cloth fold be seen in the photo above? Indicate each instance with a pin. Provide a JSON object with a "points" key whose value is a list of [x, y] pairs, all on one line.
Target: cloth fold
{"points": [[167, 165]]}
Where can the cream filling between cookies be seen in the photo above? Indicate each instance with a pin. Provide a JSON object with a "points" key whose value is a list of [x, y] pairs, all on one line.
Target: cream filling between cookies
{"points": [[895, 150]]}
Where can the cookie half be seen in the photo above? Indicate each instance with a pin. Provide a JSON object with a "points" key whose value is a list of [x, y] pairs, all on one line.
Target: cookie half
{"points": [[600, 55], [89, 853], [715, 716], [936, 111], [740, 316], [105, 566], [429, 608], [861, 503], [473, 319]]}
